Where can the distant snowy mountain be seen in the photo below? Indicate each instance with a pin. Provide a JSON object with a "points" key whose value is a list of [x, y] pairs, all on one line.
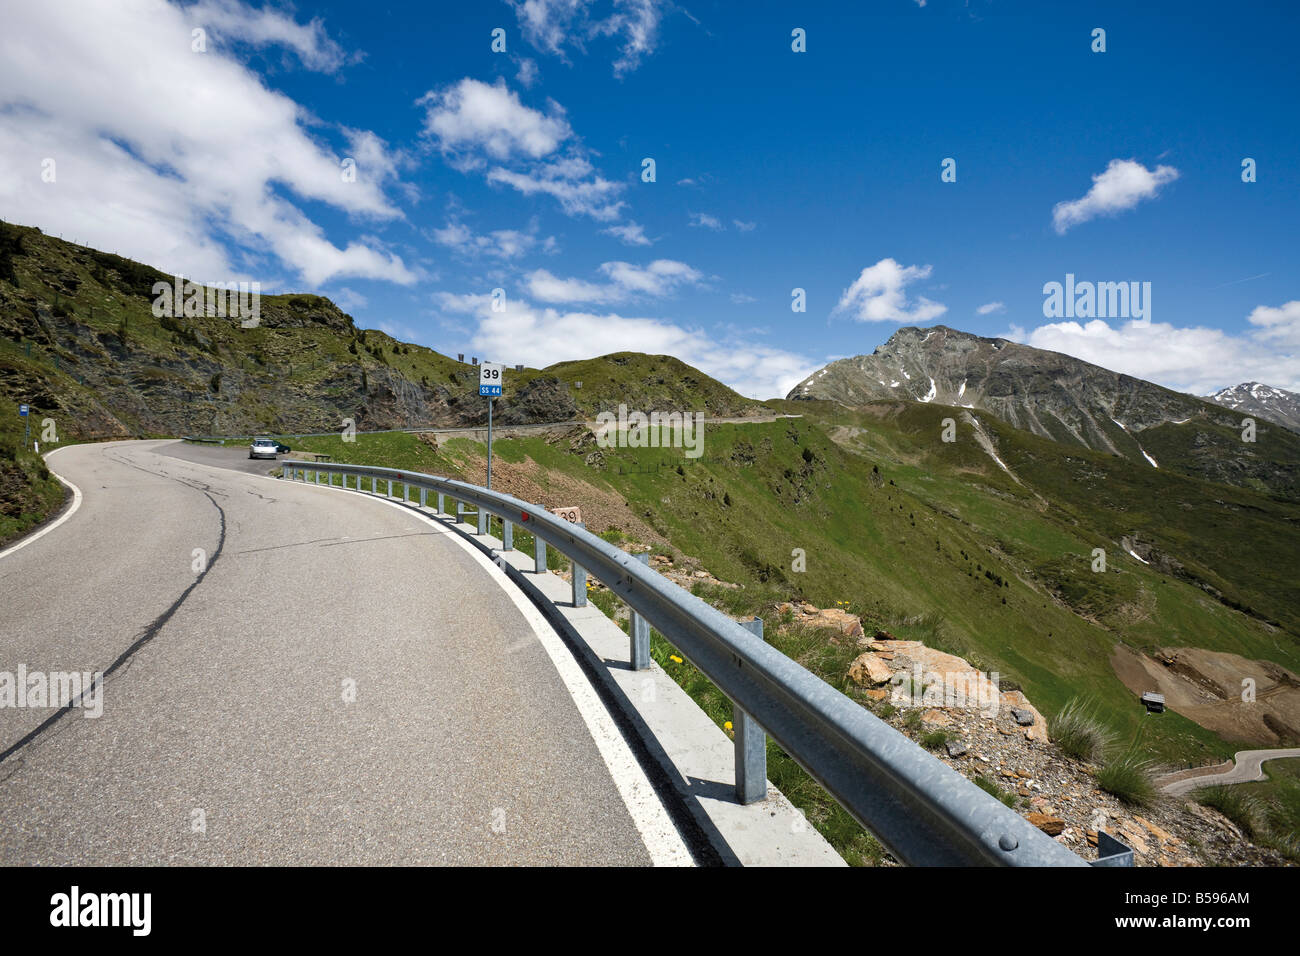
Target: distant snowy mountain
{"points": [[1252, 398]]}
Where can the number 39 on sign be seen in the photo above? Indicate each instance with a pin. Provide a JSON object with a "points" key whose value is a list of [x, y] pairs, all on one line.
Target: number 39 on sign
{"points": [[489, 379]]}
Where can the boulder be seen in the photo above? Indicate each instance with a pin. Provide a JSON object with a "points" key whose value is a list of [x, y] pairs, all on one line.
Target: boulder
{"points": [[1037, 727], [868, 670], [840, 620]]}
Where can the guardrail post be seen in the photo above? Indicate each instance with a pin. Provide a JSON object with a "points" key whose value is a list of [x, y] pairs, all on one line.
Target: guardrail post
{"points": [[424, 497], [439, 509], [390, 487], [751, 744], [406, 491], [483, 518], [579, 580], [507, 535], [640, 636], [460, 511], [539, 554]]}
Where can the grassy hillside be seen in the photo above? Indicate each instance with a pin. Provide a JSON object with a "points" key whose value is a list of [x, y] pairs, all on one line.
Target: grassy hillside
{"points": [[80, 344], [29, 494], [1239, 547], [79, 341], [933, 543]]}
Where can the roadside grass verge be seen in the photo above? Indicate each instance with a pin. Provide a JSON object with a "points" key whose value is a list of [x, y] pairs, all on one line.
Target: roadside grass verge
{"points": [[29, 494]]}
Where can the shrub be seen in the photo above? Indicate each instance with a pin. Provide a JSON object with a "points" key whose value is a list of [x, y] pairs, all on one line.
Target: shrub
{"points": [[1128, 777], [1235, 804], [1079, 732], [935, 739]]}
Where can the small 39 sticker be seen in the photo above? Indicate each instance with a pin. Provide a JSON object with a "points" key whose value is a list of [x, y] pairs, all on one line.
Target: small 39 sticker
{"points": [[573, 514]]}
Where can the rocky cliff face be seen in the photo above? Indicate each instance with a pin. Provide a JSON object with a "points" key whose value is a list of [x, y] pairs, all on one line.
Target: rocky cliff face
{"points": [[1059, 397], [79, 343], [1263, 401]]}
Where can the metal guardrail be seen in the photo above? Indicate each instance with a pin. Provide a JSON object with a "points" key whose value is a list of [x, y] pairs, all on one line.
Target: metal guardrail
{"points": [[924, 812]]}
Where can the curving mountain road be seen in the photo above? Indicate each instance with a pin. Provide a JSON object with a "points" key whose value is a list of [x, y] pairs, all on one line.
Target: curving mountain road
{"points": [[1248, 768], [303, 676]]}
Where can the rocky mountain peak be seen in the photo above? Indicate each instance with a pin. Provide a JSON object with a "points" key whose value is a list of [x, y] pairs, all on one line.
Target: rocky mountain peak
{"points": [[1048, 393], [1265, 401]]}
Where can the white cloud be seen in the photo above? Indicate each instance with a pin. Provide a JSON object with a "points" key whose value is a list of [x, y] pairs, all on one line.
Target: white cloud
{"points": [[165, 154], [744, 226], [1278, 326], [229, 20], [573, 183], [659, 278], [625, 282], [553, 25], [472, 115], [551, 288], [532, 152], [542, 336], [348, 300], [1122, 185], [528, 73], [499, 244], [1198, 360], [990, 307], [631, 233], [741, 298], [879, 295], [702, 220]]}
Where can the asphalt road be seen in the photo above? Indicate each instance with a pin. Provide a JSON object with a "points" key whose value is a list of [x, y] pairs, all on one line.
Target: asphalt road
{"points": [[227, 735], [1248, 768]]}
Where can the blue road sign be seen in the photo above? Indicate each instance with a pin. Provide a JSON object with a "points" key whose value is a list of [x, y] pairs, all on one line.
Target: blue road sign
{"points": [[22, 409]]}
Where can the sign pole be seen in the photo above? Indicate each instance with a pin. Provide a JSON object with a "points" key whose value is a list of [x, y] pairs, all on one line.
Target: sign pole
{"points": [[489, 387]]}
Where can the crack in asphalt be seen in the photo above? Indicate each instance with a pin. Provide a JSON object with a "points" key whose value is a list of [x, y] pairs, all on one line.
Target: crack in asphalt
{"points": [[145, 637]]}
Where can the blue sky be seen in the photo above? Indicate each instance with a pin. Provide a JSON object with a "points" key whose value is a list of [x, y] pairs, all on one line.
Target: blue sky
{"points": [[221, 158]]}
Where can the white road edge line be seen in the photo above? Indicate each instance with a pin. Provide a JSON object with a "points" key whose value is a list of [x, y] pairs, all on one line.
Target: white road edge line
{"points": [[76, 503], [655, 826]]}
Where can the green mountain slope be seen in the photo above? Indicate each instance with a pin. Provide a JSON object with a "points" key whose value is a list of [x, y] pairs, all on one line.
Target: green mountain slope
{"points": [[1068, 400], [936, 543], [79, 342]]}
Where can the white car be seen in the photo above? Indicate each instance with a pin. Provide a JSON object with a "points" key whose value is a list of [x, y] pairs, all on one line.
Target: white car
{"points": [[263, 448]]}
